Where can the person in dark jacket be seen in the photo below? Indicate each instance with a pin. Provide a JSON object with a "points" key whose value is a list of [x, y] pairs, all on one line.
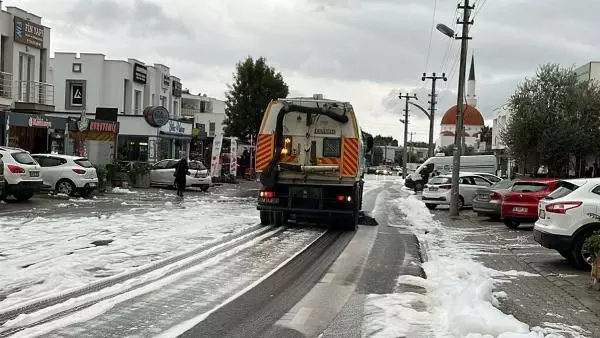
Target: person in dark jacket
{"points": [[180, 173]]}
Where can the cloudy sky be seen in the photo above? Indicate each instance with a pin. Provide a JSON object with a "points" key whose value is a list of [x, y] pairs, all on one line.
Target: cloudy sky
{"points": [[362, 51]]}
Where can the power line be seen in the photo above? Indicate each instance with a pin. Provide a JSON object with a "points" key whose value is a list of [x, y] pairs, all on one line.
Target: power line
{"points": [[430, 35]]}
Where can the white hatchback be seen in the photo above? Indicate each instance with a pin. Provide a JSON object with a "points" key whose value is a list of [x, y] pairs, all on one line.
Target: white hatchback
{"points": [[437, 190], [568, 216], [68, 174], [22, 173], [161, 174]]}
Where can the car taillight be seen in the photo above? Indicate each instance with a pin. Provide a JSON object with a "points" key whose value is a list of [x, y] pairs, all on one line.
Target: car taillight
{"points": [[344, 198], [445, 186], [15, 169], [79, 171], [562, 207], [267, 194]]}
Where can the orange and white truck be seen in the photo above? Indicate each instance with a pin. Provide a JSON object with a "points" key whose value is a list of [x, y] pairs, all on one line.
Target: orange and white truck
{"points": [[310, 161]]}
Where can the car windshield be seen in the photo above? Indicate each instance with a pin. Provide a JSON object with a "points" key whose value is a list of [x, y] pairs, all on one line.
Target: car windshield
{"points": [[504, 184], [84, 162], [564, 188], [196, 166], [528, 186], [440, 180], [23, 158]]}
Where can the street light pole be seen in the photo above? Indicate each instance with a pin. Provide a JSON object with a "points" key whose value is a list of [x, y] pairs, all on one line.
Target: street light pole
{"points": [[454, 193], [407, 97], [433, 79]]}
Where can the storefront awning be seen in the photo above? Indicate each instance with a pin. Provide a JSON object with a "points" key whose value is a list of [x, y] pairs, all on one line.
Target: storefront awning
{"points": [[174, 136]]}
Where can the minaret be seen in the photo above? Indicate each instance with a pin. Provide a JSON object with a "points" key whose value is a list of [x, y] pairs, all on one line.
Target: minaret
{"points": [[471, 97]]}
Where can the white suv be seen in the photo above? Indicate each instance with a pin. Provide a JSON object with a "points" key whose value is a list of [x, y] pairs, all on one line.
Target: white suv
{"points": [[21, 172], [568, 216], [68, 174]]}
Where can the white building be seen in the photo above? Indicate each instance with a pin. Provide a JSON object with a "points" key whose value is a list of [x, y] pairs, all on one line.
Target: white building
{"points": [[501, 117], [208, 113], [87, 82], [589, 71]]}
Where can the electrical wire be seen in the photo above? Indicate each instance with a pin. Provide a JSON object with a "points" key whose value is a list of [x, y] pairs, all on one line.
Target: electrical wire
{"points": [[430, 36]]}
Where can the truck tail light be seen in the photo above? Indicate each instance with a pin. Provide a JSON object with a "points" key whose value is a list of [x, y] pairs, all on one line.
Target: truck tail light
{"points": [[15, 169], [344, 198], [79, 171], [267, 194], [562, 207]]}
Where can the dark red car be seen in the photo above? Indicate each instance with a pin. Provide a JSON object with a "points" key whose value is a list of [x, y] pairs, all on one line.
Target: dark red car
{"points": [[520, 203]]}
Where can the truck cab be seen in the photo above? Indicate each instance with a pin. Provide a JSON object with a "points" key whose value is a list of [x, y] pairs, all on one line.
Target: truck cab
{"points": [[310, 161]]}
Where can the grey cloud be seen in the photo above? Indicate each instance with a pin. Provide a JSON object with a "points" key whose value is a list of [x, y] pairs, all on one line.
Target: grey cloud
{"points": [[142, 19]]}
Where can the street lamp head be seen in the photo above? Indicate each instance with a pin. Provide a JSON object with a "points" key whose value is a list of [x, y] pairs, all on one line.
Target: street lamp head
{"points": [[444, 77], [449, 32]]}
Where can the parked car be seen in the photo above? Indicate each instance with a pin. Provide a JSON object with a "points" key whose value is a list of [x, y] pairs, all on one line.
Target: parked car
{"points": [[383, 171], [67, 174], [437, 190], [2, 179], [488, 201], [568, 216], [371, 170], [161, 174], [21, 173], [490, 177], [520, 203]]}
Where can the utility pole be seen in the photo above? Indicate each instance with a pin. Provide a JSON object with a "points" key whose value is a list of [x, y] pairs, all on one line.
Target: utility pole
{"points": [[454, 193], [433, 101], [407, 97], [411, 142]]}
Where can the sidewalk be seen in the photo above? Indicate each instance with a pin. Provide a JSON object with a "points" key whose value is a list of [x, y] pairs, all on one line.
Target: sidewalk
{"points": [[557, 293]]}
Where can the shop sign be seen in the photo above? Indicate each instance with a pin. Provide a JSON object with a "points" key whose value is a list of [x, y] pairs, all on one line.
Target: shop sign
{"points": [[29, 33], [176, 127], [140, 73], [156, 116], [103, 126], [39, 122], [82, 124]]}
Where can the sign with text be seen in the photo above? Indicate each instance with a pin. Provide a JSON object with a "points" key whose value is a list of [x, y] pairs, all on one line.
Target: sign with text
{"points": [[216, 155], [29, 33], [233, 157], [103, 126], [140, 73], [39, 122]]}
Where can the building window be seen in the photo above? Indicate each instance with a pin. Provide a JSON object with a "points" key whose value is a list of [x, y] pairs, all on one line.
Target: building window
{"points": [[137, 102], [77, 68], [175, 109], [203, 106], [163, 101], [75, 94], [211, 129]]}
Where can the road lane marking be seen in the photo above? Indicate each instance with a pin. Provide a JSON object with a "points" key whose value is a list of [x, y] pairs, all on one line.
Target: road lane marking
{"points": [[328, 278]]}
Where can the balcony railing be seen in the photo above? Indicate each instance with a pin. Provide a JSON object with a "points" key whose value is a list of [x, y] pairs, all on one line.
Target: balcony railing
{"points": [[35, 92], [6, 85], [189, 112]]}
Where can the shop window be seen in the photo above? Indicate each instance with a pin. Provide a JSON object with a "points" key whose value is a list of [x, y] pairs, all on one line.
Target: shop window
{"points": [[133, 148], [75, 94]]}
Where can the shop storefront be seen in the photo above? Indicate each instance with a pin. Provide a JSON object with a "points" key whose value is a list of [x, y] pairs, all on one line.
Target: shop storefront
{"points": [[152, 137], [34, 133], [94, 139]]}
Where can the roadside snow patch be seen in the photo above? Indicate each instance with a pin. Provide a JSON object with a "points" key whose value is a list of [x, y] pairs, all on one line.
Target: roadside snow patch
{"points": [[460, 300], [117, 190]]}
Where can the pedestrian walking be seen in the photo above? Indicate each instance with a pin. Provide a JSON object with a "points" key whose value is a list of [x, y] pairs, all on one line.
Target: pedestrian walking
{"points": [[181, 173]]}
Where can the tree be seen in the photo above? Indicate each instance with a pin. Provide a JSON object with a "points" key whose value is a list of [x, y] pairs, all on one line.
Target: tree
{"points": [[553, 116], [447, 150], [255, 84], [385, 141], [418, 144]]}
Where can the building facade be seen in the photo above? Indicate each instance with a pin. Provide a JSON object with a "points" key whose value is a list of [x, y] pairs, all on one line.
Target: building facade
{"points": [[135, 92], [207, 114], [25, 94]]}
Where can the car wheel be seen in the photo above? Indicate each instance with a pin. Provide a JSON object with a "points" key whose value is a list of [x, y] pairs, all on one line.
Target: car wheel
{"points": [[23, 196], [430, 206], [511, 223], [204, 187], [580, 257], [66, 187], [264, 218], [418, 186], [461, 202]]}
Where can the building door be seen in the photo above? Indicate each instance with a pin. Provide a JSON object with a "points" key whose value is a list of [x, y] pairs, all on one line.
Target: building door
{"points": [[25, 81]]}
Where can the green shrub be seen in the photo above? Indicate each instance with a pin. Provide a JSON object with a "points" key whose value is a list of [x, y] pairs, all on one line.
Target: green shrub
{"points": [[592, 244]]}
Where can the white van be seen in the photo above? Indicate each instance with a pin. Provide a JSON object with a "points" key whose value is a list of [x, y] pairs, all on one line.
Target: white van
{"points": [[443, 165]]}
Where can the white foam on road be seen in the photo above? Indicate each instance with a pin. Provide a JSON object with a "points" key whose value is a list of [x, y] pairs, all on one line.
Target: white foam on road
{"points": [[459, 298]]}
